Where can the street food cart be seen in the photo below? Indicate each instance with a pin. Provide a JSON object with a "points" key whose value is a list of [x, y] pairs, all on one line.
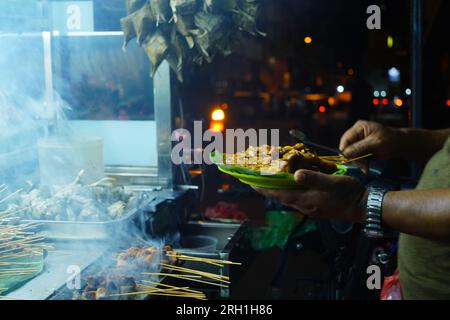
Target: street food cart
{"points": [[85, 164]]}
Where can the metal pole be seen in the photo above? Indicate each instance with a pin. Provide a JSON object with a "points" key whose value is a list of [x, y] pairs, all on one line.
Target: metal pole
{"points": [[416, 64]]}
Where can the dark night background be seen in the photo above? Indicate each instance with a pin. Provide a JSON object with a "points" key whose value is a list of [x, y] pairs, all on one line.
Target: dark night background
{"points": [[268, 79]]}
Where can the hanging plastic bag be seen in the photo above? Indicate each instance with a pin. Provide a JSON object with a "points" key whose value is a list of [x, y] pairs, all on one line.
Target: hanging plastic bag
{"points": [[392, 289]]}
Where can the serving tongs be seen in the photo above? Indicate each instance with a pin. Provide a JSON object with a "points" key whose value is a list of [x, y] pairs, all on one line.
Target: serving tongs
{"points": [[302, 137]]}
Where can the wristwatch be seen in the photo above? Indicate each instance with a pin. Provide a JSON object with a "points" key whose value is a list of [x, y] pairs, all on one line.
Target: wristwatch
{"points": [[373, 228]]}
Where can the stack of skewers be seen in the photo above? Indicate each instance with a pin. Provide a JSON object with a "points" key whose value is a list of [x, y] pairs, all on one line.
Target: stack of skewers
{"points": [[341, 159], [21, 249], [170, 269], [21, 254]]}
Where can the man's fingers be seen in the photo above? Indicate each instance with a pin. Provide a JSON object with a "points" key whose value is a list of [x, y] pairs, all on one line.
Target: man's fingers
{"points": [[313, 180], [359, 148], [354, 134]]}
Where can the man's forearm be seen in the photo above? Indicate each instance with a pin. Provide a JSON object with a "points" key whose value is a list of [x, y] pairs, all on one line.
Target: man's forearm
{"points": [[420, 144], [423, 213]]}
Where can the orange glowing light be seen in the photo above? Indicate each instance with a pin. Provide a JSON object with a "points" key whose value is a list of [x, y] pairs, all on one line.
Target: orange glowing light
{"points": [[385, 102], [376, 101], [398, 102], [218, 115], [331, 101], [217, 126], [447, 102], [350, 72], [195, 172], [322, 109], [308, 40], [315, 96]]}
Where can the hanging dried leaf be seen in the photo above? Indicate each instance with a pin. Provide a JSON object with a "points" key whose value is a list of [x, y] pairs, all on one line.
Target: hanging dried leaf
{"points": [[184, 7], [185, 25], [224, 45], [161, 11], [156, 47], [210, 23], [129, 32], [178, 46], [245, 16], [144, 23], [215, 5], [203, 43], [133, 5], [187, 32]]}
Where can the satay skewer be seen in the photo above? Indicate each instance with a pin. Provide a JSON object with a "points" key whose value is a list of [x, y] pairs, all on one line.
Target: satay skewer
{"points": [[182, 256], [358, 158], [201, 273], [169, 286], [11, 195]]}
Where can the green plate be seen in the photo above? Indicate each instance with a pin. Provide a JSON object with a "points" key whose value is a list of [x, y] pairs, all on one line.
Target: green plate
{"points": [[11, 282], [280, 181]]}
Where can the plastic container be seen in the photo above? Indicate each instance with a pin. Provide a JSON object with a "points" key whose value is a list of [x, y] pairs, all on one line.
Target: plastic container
{"points": [[199, 243], [62, 159]]}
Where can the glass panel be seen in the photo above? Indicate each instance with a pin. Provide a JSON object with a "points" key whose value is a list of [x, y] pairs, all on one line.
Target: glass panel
{"points": [[23, 102], [53, 67], [99, 80]]}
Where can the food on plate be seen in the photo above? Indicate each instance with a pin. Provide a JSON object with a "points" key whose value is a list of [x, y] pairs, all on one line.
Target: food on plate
{"points": [[272, 160]]}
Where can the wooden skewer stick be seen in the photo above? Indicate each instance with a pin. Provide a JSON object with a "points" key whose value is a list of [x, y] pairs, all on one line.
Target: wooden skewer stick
{"points": [[206, 259], [179, 291], [155, 293], [202, 273], [17, 263], [11, 195], [332, 157], [358, 158], [15, 256], [9, 274], [102, 180], [171, 274], [187, 258], [208, 282], [162, 289], [187, 270], [3, 187], [208, 276], [153, 290], [19, 269], [10, 298], [184, 277], [169, 286]]}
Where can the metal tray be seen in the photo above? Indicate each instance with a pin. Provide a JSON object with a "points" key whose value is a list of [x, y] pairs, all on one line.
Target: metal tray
{"points": [[84, 230], [91, 230]]}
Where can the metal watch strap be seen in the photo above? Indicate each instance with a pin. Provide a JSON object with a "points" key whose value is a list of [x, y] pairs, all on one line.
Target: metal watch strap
{"points": [[373, 228]]}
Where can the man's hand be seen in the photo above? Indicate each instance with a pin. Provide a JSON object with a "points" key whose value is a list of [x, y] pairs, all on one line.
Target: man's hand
{"points": [[370, 137], [324, 196], [386, 142]]}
